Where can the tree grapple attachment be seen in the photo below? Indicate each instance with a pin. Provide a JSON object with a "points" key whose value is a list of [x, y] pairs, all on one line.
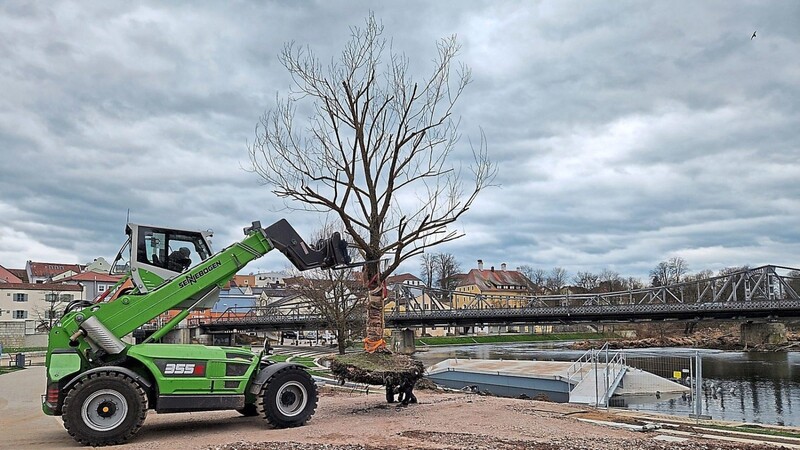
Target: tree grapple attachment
{"points": [[328, 253]]}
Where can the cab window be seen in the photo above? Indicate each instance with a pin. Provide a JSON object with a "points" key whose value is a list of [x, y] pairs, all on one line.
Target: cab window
{"points": [[170, 249]]}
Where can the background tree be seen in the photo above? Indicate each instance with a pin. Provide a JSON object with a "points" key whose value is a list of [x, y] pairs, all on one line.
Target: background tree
{"points": [[534, 275], [586, 280], [338, 295], [556, 280], [669, 272], [446, 269], [427, 270], [610, 281], [375, 151]]}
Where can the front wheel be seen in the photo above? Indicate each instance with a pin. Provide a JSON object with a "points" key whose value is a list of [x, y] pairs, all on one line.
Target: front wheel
{"points": [[105, 408], [288, 398]]}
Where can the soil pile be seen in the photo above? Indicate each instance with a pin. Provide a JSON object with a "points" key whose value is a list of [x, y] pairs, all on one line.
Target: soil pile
{"points": [[377, 368]]}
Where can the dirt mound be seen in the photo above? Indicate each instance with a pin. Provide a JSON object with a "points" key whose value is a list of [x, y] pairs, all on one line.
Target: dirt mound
{"points": [[377, 368]]}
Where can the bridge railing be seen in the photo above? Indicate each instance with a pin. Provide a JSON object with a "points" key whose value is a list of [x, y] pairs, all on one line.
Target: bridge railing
{"points": [[759, 284], [746, 290]]}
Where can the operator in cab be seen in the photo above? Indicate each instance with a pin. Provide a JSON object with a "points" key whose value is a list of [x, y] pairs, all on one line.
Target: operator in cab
{"points": [[179, 260]]}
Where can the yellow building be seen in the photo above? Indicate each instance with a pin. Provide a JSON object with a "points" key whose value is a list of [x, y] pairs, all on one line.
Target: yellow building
{"points": [[482, 288]]}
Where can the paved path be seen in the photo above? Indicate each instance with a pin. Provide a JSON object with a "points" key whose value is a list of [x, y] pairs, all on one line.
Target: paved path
{"points": [[22, 421]]}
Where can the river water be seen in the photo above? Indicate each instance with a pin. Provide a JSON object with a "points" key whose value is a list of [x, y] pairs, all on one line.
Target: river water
{"points": [[741, 386]]}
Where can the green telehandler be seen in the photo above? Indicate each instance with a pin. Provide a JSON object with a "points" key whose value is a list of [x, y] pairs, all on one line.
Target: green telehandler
{"points": [[103, 386]]}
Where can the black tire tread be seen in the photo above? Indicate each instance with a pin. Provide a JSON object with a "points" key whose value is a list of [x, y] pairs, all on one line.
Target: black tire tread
{"points": [[96, 442], [249, 410], [276, 421]]}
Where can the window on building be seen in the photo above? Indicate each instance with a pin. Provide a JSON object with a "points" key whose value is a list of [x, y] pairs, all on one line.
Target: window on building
{"points": [[20, 297], [101, 288], [66, 297], [51, 297], [20, 314]]}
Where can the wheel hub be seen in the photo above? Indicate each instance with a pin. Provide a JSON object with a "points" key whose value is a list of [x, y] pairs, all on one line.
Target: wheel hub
{"points": [[292, 398], [106, 409], [288, 398]]}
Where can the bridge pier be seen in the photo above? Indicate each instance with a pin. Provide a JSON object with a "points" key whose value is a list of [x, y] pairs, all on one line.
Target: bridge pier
{"points": [[754, 334], [403, 341]]}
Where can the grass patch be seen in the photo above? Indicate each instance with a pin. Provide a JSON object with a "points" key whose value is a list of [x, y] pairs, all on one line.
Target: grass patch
{"points": [[278, 358], [23, 349], [495, 339], [305, 361], [754, 429], [4, 370], [317, 373]]}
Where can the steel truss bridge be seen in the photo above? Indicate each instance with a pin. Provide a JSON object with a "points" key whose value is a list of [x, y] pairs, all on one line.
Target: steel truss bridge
{"points": [[767, 292]]}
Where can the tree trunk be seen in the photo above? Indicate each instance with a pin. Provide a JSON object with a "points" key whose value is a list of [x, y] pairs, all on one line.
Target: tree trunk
{"points": [[375, 301]]}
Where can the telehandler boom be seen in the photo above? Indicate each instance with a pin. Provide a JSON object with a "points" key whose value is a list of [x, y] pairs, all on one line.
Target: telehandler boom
{"points": [[103, 387]]}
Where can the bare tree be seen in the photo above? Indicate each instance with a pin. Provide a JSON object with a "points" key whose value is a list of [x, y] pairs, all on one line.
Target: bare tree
{"points": [[610, 281], [586, 280], [47, 316], [660, 274], [633, 283], [535, 276], [557, 279], [375, 151], [427, 269], [447, 267], [337, 295], [678, 268]]}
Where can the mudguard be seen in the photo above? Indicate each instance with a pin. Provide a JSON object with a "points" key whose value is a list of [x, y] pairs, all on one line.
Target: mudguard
{"points": [[265, 373], [124, 370]]}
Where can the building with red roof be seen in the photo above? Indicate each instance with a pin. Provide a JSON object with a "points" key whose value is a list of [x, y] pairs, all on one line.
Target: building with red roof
{"points": [[44, 272], [7, 276], [501, 288]]}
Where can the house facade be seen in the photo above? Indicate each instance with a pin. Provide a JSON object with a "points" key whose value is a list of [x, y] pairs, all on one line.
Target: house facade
{"points": [[93, 284], [493, 288], [29, 306], [496, 288]]}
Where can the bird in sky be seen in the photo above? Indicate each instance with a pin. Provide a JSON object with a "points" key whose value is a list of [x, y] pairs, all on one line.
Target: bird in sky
{"points": [[754, 35]]}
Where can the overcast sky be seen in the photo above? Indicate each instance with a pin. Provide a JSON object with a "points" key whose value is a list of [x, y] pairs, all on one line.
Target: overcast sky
{"points": [[624, 132]]}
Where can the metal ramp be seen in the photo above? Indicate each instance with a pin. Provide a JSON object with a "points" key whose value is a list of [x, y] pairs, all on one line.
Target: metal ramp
{"points": [[594, 382]]}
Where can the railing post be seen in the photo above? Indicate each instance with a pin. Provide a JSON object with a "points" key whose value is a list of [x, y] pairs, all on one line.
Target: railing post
{"points": [[698, 385], [596, 379], [608, 385]]}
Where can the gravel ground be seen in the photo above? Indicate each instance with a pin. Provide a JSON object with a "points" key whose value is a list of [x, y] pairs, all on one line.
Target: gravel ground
{"points": [[457, 421], [346, 420]]}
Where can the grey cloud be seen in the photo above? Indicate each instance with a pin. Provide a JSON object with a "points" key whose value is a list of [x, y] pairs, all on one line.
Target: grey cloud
{"points": [[624, 133]]}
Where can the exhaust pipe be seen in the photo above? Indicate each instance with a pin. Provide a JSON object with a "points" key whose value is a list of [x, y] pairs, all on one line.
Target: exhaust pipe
{"points": [[98, 334]]}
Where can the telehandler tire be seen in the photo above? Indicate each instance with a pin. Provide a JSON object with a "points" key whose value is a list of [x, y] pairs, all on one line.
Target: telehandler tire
{"points": [[288, 398], [249, 410], [105, 408]]}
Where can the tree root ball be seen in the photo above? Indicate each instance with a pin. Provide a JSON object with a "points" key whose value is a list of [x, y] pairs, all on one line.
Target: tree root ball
{"points": [[382, 368]]}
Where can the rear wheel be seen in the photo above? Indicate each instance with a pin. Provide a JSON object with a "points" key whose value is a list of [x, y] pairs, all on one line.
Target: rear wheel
{"points": [[249, 410], [288, 398], [105, 408]]}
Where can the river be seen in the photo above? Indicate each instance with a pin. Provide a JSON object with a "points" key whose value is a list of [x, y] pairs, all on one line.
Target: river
{"points": [[741, 386]]}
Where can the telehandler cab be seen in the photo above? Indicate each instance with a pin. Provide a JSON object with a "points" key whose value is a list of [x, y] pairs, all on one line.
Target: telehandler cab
{"points": [[103, 386]]}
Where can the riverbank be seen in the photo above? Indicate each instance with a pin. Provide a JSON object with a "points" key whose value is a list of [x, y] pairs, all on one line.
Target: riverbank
{"points": [[509, 338], [713, 340]]}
